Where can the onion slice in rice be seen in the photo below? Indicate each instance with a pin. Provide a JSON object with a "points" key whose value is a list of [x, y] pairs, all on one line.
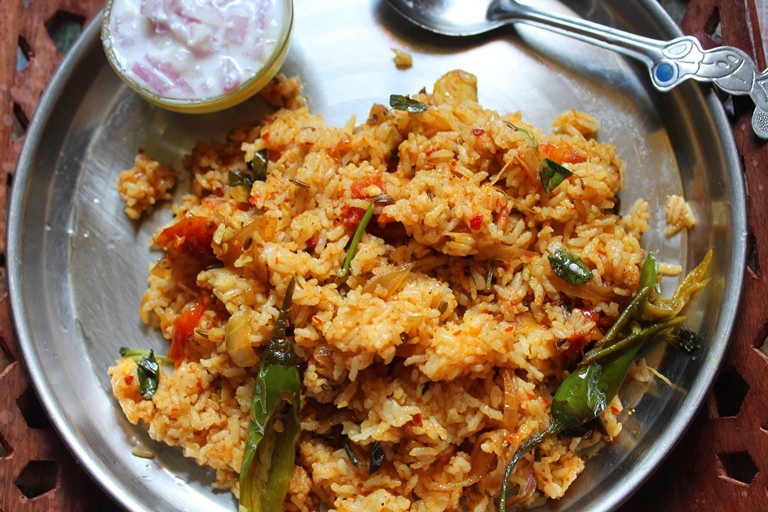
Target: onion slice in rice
{"points": [[593, 292], [527, 491], [390, 280], [511, 401], [263, 228], [480, 461], [238, 343]]}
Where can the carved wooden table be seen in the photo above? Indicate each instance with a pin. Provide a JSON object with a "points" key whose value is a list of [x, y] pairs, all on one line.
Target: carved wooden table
{"points": [[720, 464]]}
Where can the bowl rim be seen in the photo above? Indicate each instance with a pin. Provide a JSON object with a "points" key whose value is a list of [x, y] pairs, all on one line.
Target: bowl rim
{"points": [[248, 88]]}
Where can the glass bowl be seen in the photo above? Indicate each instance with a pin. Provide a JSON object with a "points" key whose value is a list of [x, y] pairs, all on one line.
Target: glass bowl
{"points": [[192, 101]]}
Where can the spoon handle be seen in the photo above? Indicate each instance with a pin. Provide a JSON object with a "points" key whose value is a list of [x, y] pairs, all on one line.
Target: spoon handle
{"points": [[669, 62]]}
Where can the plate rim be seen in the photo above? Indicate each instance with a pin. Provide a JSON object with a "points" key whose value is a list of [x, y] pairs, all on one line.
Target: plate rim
{"points": [[637, 475]]}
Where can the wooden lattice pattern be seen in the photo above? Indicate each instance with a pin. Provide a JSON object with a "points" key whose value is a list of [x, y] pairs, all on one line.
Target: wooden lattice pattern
{"points": [[721, 463]]}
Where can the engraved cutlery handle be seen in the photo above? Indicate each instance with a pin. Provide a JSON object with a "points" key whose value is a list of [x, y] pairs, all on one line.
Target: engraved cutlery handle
{"points": [[669, 62], [729, 68]]}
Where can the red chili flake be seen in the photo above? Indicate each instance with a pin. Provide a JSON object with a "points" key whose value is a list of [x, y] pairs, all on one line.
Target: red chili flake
{"points": [[576, 345], [265, 135], [477, 132], [252, 200], [545, 400], [317, 319], [417, 419], [351, 216], [344, 142], [591, 315], [312, 242], [615, 410], [476, 222], [128, 379], [510, 328], [605, 322]]}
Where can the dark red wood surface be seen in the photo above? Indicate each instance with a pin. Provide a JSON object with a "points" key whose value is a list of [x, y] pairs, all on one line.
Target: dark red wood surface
{"points": [[720, 464]]}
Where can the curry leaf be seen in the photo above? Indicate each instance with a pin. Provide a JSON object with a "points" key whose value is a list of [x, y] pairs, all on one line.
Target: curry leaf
{"points": [[240, 179], [258, 165], [148, 371], [569, 267], [687, 340], [400, 102], [351, 452], [552, 174], [377, 458]]}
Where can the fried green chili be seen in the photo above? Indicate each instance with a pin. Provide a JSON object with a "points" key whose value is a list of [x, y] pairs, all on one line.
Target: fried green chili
{"points": [[584, 395], [270, 451]]}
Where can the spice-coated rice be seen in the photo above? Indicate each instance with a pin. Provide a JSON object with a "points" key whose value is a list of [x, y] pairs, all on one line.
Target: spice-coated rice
{"points": [[449, 336]]}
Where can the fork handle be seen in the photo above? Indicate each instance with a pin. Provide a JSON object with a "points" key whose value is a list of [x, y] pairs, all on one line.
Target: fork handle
{"points": [[669, 62]]}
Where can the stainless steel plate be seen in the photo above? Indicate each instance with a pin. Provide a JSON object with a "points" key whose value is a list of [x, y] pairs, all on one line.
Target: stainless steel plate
{"points": [[78, 266]]}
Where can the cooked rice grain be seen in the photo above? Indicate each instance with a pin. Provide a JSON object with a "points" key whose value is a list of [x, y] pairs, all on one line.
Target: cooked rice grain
{"points": [[447, 375]]}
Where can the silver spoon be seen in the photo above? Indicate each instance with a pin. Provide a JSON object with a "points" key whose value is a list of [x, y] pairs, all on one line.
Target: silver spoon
{"points": [[669, 62]]}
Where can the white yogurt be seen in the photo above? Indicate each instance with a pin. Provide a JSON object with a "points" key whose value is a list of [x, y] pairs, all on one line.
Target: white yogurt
{"points": [[193, 49]]}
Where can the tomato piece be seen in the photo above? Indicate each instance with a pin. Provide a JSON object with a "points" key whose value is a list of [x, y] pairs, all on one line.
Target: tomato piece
{"points": [[188, 245], [476, 222], [191, 236], [351, 216], [362, 188], [183, 329], [562, 153]]}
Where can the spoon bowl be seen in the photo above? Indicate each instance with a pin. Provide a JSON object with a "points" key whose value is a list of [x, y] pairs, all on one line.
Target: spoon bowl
{"points": [[669, 62], [447, 17]]}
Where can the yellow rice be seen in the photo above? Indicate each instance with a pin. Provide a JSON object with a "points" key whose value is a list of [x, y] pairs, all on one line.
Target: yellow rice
{"points": [[442, 372]]}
